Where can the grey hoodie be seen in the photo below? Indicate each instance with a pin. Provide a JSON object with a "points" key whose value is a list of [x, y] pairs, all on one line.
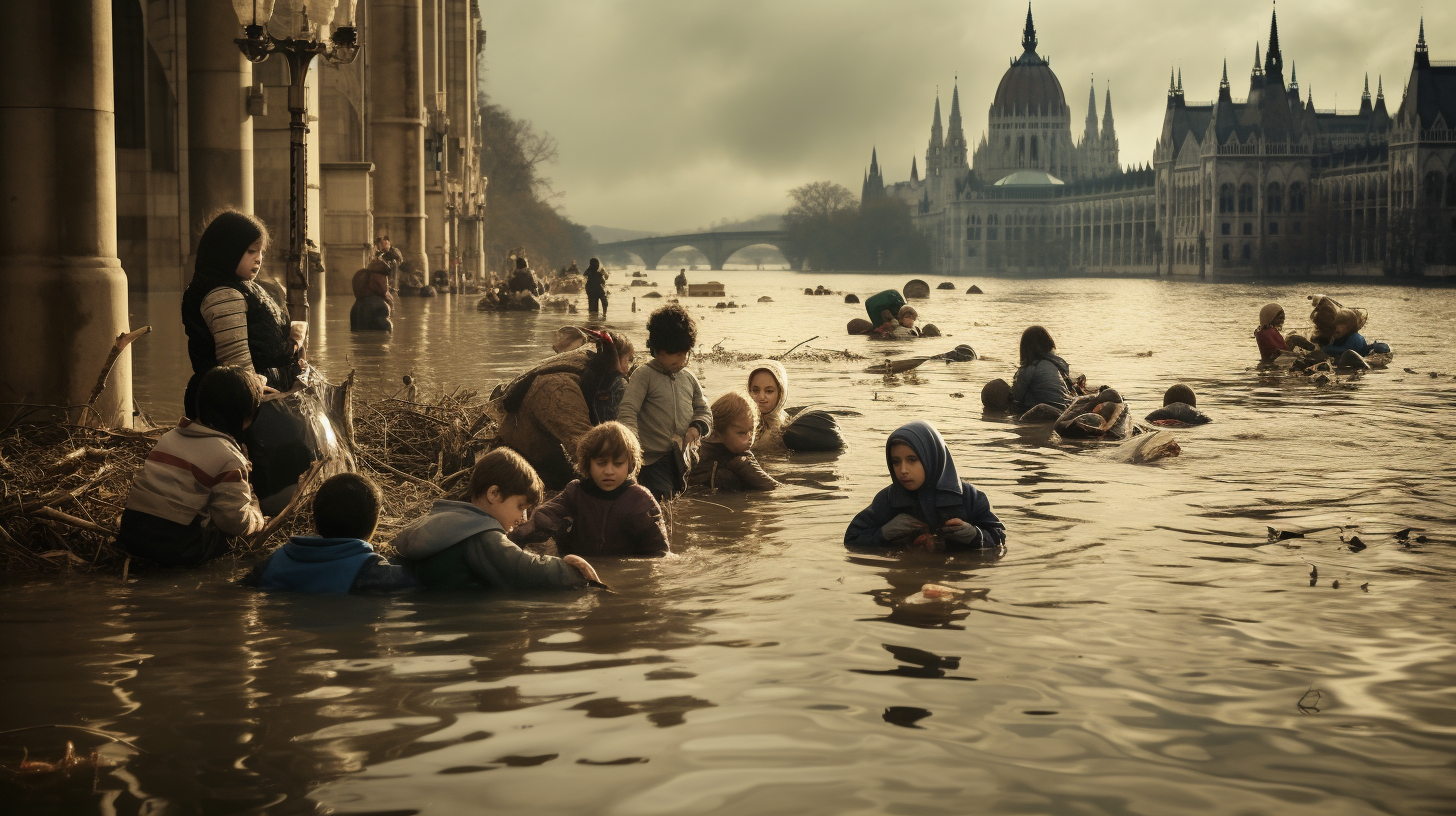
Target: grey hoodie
{"points": [[660, 407], [489, 559]]}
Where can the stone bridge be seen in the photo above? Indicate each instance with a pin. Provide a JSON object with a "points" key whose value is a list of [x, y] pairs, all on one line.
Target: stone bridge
{"points": [[718, 246]]}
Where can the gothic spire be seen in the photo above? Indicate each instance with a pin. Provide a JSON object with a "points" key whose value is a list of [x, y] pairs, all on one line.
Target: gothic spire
{"points": [[914, 170], [936, 131], [1293, 76], [1028, 34], [1107, 130], [1180, 81], [1379, 86], [1423, 55], [874, 161], [1365, 106], [1224, 83], [1273, 59], [1089, 134], [955, 112]]}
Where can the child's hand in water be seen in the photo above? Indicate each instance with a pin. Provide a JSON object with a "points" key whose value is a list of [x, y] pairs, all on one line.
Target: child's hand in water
{"points": [[960, 533], [583, 567], [903, 527], [691, 437]]}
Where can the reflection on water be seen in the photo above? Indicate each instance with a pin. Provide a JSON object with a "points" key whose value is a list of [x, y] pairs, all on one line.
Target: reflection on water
{"points": [[1143, 646]]}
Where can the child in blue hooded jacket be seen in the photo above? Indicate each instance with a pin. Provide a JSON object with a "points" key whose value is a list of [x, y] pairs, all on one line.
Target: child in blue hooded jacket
{"points": [[926, 499], [339, 559]]}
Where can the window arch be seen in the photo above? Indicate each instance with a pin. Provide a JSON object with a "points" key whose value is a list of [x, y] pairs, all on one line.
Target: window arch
{"points": [[1433, 187], [1246, 198], [1035, 154], [1296, 197], [1274, 198], [1451, 189], [1226, 198]]}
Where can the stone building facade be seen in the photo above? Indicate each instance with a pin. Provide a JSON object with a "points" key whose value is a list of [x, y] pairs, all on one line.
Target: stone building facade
{"points": [[1265, 185]]}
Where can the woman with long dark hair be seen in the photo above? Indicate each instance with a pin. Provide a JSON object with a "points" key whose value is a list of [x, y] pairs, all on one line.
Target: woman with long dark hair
{"points": [[1043, 378], [230, 320]]}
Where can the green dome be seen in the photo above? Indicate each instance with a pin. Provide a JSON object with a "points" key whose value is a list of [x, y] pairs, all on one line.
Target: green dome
{"points": [[1030, 178]]}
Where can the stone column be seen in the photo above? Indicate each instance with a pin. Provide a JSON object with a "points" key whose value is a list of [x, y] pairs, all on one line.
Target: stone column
{"points": [[63, 294], [219, 129], [397, 125]]}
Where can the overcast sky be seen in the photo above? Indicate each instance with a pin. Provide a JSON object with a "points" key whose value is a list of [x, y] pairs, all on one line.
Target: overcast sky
{"points": [[672, 114]]}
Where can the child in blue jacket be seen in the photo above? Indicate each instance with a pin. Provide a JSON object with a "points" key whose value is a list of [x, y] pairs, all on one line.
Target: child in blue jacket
{"points": [[925, 500]]}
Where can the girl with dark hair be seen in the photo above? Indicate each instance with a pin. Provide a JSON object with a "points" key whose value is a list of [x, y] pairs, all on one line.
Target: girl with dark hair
{"points": [[229, 319], [550, 408], [192, 491], [596, 286], [1043, 378]]}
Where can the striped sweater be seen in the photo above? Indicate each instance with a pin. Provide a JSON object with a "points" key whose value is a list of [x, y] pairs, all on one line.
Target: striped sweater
{"points": [[196, 471], [225, 310]]}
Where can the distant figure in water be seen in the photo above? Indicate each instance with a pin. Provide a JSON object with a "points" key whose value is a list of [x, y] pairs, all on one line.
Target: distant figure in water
{"points": [[1270, 335], [1043, 379], [901, 325], [926, 501], [596, 285], [681, 282]]}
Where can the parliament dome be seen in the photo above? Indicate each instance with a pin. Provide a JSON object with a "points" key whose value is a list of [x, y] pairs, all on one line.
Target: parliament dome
{"points": [[1029, 88]]}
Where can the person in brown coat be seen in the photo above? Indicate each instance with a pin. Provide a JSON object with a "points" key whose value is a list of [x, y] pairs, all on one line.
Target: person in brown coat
{"points": [[607, 513], [726, 460], [550, 408]]}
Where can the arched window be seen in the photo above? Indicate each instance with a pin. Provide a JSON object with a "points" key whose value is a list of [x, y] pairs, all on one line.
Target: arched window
{"points": [[1226, 198], [1248, 253], [1274, 198], [1296, 197], [1246, 198], [1433, 187], [1020, 149], [1451, 189], [1035, 155]]}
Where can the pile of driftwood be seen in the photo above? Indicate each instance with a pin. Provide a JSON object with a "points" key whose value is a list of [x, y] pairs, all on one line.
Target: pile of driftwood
{"points": [[63, 485], [800, 354]]}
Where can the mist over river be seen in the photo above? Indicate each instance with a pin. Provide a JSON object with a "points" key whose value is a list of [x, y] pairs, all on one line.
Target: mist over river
{"points": [[1142, 647]]}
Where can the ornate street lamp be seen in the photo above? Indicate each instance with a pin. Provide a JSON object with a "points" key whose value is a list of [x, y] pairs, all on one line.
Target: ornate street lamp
{"points": [[305, 25]]}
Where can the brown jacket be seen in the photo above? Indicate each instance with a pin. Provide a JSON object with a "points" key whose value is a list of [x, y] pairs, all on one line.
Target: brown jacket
{"points": [[371, 282], [720, 468], [554, 413], [624, 522]]}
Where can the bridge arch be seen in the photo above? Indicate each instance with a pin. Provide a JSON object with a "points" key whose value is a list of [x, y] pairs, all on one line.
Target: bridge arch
{"points": [[717, 247]]}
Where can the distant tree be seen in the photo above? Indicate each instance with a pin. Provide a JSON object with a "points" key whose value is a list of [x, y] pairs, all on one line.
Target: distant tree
{"points": [[819, 199], [827, 230]]}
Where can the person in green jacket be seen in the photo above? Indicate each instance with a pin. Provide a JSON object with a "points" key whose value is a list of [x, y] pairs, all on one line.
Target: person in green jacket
{"points": [[463, 545]]}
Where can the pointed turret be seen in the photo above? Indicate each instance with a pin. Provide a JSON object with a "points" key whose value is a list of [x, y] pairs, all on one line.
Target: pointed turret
{"points": [[1172, 88], [1258, 70], [955, 113], [1380, 117], [1028, 34], [874, 183], [936, 131], [1365, 107], [1109, 133], [1423, 55], [955, 137], [1273, 58], [1294, 100], [914, 170], [1089, 135]]}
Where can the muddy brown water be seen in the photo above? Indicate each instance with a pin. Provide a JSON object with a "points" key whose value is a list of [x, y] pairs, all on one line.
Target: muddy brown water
{"points": [[1142, 647]]}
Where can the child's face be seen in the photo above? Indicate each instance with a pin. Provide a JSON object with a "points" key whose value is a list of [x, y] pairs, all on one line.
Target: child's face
{"points": [[909, 471], [1278, 321], [608, 472], [624, 363], [765, 391], [908, 321], [510, 511], [673, 362], [251, 261], [738, 437]]}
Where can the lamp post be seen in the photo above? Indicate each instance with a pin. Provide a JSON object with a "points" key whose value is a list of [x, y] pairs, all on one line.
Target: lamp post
{"points": [[304, 40]]}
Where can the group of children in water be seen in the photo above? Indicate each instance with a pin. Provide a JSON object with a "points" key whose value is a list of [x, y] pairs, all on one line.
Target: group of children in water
{"points": [[192, 494]]}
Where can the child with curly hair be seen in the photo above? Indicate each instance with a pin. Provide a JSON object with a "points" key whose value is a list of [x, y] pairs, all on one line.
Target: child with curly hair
{"points": [[664, 404], [727, 461]]}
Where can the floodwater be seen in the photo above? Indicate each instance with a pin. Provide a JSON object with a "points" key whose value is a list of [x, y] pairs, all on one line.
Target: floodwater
{"points": [[1141, 648]]}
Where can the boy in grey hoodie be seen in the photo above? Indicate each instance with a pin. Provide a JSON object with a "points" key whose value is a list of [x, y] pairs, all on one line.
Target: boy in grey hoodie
{"points": [[664, 404], [463, 545]]}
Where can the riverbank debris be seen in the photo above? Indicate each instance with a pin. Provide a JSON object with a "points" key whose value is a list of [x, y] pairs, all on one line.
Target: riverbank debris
{"points": [[1309, 701]]}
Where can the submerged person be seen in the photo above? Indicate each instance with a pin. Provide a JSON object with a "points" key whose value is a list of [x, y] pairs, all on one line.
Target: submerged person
{"points": [[902, 325], [681, 283], [1043, 377], [463, 545], [373, 300], [926, 499], [664, 404], [1270, 334], [338, 558], [523, 281], [605, 513], [596, 285], [192, 492], [550, 408], [229, 319], [726, 461]]}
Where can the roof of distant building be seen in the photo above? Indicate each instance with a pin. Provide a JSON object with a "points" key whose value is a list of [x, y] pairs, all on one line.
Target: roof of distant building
{"points": [[1030, 178]]}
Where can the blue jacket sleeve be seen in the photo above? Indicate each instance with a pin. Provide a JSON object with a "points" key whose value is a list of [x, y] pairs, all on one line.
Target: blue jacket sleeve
{"points": [[864, 530]]}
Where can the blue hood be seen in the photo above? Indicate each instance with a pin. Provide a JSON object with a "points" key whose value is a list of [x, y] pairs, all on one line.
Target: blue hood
{"points": [[317, 565], [942, 484]]}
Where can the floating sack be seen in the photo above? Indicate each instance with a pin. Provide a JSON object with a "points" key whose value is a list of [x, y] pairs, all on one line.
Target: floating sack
{"points": [[1180, 393], [930, 330], [1178, 413], [946, 285], [808, 291], [287, 436], [653, 295], [370, 313], [528, 302], [859, 326], [935, 594], [427, 291], [1095, 416], [888, 300], [1147, 447], [765, 299], [916, 288], [851, 298], [974, 290], [961, 354], [813, 430], [1331, 319]]}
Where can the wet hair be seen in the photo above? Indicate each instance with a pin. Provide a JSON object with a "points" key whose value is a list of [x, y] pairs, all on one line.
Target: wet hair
{"points": [[222, 244], [593, 264], [508, 472], [1180, 393], [347, 506], [996, 395], [227, 398], [609, 439], [907, 311], [1036, 343], [732, 408], [671, 330], [521, 262]]}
